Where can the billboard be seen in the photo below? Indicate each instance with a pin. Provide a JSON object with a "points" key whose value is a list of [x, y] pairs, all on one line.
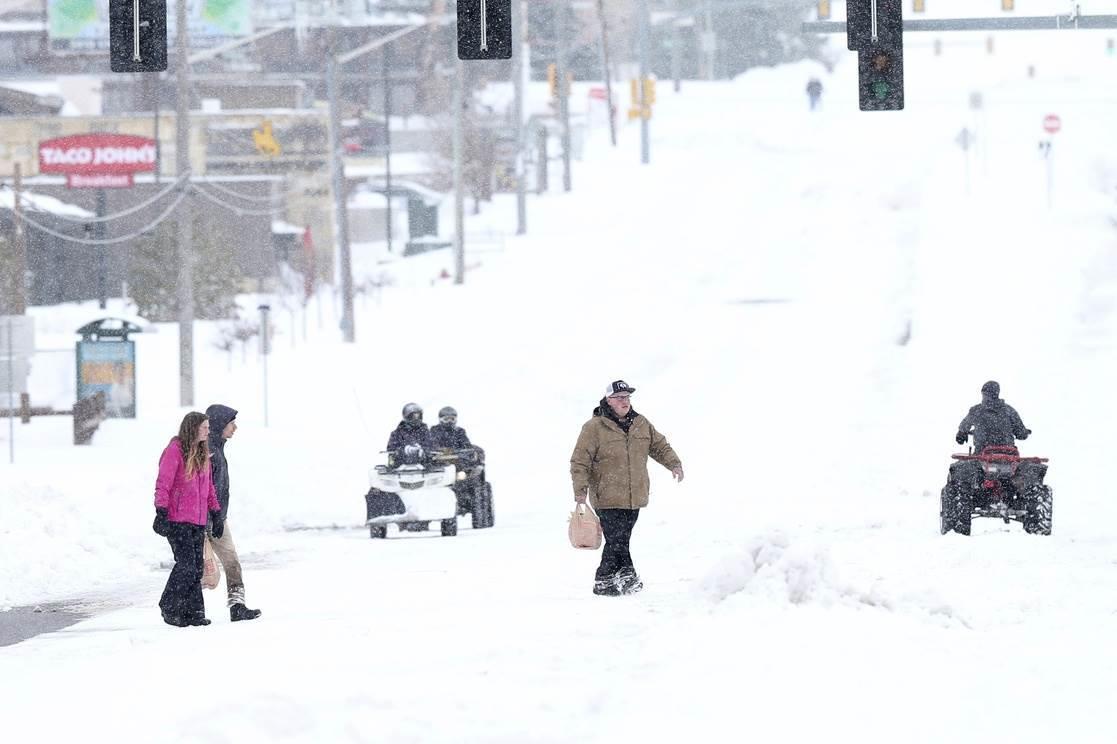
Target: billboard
{"points": [[83, 25], [97, 160], [109, 367]]}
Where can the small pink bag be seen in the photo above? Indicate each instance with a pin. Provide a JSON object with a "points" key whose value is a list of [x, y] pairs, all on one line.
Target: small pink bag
{"points": [[211, 573], [584, 528]]}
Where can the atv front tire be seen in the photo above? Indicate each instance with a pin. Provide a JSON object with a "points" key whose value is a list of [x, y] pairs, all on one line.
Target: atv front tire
{"points": [[1037, 521], [377, 531], [955, 511], [450, 527]]}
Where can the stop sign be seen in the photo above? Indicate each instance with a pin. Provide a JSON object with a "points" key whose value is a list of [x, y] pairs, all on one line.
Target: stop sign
{"points": [[1052, 123]]}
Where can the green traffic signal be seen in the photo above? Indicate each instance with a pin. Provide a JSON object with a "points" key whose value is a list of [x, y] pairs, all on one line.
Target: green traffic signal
{"points": [[881, 89]]}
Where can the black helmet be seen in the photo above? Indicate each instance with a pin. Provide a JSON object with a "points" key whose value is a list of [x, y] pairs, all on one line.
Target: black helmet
{"points": [[447, 411], [412, 412], [992, 389]]}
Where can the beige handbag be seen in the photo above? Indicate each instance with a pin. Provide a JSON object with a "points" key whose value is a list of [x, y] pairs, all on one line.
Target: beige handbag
{"points": [[584, 528], [211, 567]]}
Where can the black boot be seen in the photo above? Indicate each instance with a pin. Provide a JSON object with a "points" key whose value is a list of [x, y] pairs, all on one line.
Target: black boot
{"points": [[240, 612], [176, 620], [198, 620]]}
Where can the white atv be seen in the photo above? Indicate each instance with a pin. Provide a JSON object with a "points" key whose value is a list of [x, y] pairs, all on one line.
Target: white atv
{"points": [[412, 491]]}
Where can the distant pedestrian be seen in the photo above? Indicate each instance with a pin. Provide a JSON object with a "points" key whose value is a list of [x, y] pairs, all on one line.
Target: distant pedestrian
{"points": [[609, 467], [184, 498], [814, 92]]}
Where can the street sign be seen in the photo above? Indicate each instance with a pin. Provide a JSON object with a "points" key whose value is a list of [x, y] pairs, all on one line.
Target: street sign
{"points": [[20, 370], [22, 341], [138, 35], [484, 29], [1052, 123]]}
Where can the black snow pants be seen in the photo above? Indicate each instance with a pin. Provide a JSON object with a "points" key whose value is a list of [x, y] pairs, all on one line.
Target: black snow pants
{"points": [[616, 525], [183, 595]]}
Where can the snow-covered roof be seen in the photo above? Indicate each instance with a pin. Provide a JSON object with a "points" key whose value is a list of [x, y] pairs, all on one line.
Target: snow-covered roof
{"points": [[279, 227], [33, 202], [22, 27]]}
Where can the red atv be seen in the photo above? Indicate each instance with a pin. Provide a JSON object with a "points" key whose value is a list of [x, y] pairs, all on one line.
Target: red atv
{"points": [[997, 483]]}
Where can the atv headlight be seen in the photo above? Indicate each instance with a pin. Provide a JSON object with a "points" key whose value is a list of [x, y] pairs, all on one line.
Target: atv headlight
{"points": [[461, 475]]}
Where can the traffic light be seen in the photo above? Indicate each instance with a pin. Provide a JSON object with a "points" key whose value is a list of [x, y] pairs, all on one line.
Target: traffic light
{"points": [[878, 39], [918, 6], [649, 91], [138, 35], [823, 10]]}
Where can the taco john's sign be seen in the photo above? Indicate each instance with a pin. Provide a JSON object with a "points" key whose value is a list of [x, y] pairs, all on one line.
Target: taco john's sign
{"points": [[98, 161]]}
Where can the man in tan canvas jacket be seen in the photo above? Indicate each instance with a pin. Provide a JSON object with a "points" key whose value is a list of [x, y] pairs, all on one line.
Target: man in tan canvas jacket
{"points": [[609, 466]]}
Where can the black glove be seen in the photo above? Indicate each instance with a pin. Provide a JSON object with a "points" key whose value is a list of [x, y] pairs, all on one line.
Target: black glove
{"points": [[161, 526], [1027, 433], [961, 437], [218, 528]]}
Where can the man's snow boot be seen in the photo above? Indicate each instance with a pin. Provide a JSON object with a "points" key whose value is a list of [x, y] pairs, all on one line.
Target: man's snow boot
{"points": [[628, 581], [240, 612], [607, 587]]}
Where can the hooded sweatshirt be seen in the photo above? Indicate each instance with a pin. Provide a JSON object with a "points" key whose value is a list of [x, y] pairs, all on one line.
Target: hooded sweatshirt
{"points": [[219, 418]]}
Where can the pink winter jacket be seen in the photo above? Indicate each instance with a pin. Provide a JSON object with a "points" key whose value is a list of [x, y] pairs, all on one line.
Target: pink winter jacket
{"points": [[185, 500]]}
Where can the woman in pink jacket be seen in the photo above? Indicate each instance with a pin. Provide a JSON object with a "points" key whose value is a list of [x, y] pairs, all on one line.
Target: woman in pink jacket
{"points": [[184, 497]]}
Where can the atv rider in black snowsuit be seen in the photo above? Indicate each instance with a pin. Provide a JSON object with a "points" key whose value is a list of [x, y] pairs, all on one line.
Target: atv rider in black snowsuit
{"points": [[992, 422], [411, 430], [446, 434]]}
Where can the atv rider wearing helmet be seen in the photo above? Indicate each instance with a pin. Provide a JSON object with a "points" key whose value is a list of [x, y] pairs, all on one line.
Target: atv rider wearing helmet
{"points": [[992, 422], [411, 430], [446, 434]]}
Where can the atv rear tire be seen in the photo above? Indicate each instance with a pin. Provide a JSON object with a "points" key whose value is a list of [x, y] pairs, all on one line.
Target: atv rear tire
{"points": [[378, 531], [955, 511], [450, 527], [483, 507], [1038, 519]]}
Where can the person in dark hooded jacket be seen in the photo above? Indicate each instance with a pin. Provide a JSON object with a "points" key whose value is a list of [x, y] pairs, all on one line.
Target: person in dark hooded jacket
{"points": [[992, 422], [222, 426], [411, 430]]}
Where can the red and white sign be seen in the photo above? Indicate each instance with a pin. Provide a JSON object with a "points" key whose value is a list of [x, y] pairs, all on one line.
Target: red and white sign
{"points": [[597, 93], [99, 181], [1052, 123], [97, 155]]}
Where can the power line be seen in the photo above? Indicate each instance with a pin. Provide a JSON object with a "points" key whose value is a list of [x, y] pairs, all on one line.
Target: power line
{"points": [[239, 211], [108, 241], [251, 197], [26, 201]]}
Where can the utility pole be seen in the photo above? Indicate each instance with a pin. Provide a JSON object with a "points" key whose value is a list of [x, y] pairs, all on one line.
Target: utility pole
{"points": [[388, 142], [709, 42], [519, 65], [185, 226], [560, 83], [605, 69], [676, 52], [459, 195], [19, 270], [645, 112], [102, 250], [341, 212]]}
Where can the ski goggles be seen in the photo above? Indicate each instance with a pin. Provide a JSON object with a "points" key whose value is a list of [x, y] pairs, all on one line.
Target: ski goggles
{"points": [[448, 419]]}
